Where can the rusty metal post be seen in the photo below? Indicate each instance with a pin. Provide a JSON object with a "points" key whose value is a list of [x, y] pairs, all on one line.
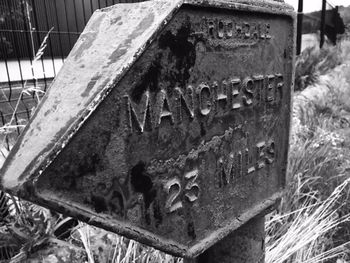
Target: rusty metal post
{"points": [[245, 245]]}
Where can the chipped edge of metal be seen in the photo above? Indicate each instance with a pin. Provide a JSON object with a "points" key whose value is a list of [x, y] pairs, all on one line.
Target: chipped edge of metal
{"points": [[222, 232], [142, 235], [260, 6]]}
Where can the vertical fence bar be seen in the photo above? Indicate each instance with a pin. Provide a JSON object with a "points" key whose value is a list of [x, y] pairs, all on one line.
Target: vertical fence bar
{"points": [[39, 41], [84, 16], [59, 32], [49, 39], [16, 47], [323, 23], [6, 141], [7, 99], [299, 26], [29, 43], [17, 52], [67, 21], [75, 16]]}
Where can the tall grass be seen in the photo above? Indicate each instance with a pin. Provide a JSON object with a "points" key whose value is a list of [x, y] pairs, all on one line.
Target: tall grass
{"points": [[305, 238], [313, 62], [313, 218]]}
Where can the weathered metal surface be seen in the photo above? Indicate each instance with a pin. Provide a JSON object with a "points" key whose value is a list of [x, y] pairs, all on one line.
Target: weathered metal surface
{"points": [[244, 245], [169, 122], [109, 44]]}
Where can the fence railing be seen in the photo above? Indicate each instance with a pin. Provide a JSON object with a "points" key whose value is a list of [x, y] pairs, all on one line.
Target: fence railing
{"points": [[24, 26], [327, 21]]}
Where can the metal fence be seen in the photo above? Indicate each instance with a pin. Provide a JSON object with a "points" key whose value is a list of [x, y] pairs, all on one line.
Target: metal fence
{"points": [[327, 22], [25, 26]]}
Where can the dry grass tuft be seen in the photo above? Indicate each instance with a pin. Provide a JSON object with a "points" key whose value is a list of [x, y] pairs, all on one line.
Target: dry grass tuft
{"points": [[305, 238]]}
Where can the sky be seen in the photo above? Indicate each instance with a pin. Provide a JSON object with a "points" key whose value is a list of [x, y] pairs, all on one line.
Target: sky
{"points": [[314, 5]]}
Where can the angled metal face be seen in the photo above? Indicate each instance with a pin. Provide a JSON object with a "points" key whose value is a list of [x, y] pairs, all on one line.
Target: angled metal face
{"points": [[169, 122]]}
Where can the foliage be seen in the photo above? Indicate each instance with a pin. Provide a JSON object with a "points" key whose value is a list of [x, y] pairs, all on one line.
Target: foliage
{"points": [[102, 246], [27, 231], [312, 63]]}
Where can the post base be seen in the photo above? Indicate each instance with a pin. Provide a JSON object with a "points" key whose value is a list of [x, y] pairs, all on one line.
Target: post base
{"points": [[245, 245]]}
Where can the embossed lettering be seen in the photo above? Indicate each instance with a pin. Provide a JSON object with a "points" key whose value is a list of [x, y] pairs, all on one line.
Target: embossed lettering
{"points": [[222, 29], [174, 191], [229, 29], [267, 31], [206, 99], [221, 90], [238, 30], [211, 28], [279, 87], [221, 32], [192, 188], [260, 154], [164, 108], [138, 120], [173, 188], [270, 88], [230, 169], [248, 161], [255, 31], [259, 87], [204, 95], [246, 30], [185, 103], [248, 89], [236, 88], [270, 153]]}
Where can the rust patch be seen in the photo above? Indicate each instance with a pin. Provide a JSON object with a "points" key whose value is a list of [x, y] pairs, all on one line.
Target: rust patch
{"points": [[96, 23], [86, 40], [91, 84], [115, 20], [118, 53], [122, 49], [145, 23]]}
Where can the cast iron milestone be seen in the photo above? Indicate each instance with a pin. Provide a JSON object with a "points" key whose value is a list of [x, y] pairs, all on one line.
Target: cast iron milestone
{"points": [[168, 123]]}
